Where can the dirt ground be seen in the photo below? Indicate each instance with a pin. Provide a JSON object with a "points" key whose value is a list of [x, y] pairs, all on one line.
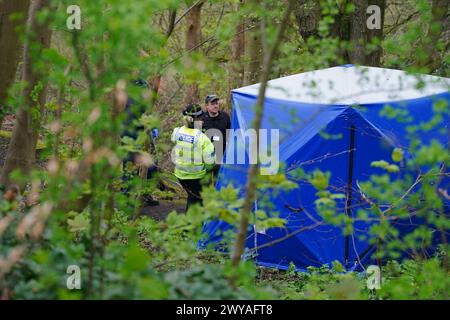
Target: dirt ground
{"points": [[165, 207]]}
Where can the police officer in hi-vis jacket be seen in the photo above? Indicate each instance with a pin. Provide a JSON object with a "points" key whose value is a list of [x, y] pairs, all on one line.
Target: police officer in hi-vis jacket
{"points": [[193, 154]]}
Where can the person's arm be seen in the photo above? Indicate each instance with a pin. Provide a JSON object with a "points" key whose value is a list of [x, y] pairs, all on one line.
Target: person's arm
{"points": [[174, 133], [228, 127], [208, 153], [228, 121]]}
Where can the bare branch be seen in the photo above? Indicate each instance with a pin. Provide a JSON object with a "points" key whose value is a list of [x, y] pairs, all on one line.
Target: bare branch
{"points": [[311, 227]]}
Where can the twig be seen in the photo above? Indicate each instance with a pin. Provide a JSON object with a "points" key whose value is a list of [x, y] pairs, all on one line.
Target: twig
{"points": [[201, 44], [187, 11], [287, 236]]}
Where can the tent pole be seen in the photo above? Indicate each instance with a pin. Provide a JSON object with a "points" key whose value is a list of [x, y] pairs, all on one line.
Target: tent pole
{"points": [[349, 187]]}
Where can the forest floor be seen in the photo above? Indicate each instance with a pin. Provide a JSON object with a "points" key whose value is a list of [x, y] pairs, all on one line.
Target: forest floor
{"points": [[165, 207]]}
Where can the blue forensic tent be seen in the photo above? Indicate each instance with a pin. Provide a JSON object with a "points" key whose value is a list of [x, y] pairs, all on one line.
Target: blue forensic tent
{"points": [[331, 120]]}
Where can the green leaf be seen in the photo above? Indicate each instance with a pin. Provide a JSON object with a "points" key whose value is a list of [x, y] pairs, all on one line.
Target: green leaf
{"points": [[152, 288], [79, 223], [338, 267], [385, 165], [397, 155], [320, 180], [135, 260]]}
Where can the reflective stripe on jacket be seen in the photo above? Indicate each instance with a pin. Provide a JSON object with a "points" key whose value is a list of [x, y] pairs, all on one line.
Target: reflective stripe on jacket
{"points": [[193, 153]]}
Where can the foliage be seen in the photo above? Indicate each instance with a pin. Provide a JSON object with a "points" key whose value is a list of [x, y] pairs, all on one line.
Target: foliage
{"points": [[413, 279], [79, 210]]}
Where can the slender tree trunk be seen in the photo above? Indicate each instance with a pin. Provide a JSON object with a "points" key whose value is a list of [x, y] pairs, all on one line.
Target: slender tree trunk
{"points": [[358, 30], [193, 39], [256, 125], [10, 42], [361, 36], [375, 36], [346, 27], [22, 147], [308, 14], [155, 81], [253, 53], [237, 50]]}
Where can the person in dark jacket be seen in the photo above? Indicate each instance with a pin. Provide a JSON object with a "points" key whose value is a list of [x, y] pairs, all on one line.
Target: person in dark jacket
{"points": [[216, 122], [134, 110]]}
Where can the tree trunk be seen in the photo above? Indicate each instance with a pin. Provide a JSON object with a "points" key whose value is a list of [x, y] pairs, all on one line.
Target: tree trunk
{"points": [[10, 43], [22, 147], [253, 53], [346, 27], [193, 39], [358, 30], [155, 81], [307, 15], [361, 36], [375, 36], [236, 68]]}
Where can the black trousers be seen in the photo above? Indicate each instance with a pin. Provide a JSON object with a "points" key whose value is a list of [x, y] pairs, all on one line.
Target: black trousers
{"points": [[193, 188]]}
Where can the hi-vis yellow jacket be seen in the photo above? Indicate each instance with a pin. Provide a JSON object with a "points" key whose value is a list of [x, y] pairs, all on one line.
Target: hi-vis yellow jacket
{"points": [[193, 154]]}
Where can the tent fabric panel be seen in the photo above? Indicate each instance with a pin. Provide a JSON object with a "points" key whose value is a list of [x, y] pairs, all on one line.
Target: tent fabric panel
{"points": [[346, 85], [305, 131]]}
